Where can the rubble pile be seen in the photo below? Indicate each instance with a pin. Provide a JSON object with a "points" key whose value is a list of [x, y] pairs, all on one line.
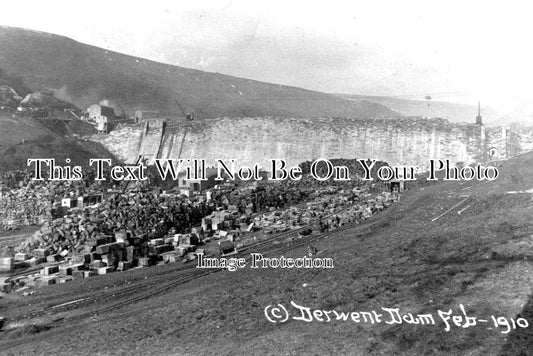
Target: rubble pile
{"points": [[145, 225], [143, 215], [23, 205], [103, 255], [329, 209], [23, 208], [24, 201]]}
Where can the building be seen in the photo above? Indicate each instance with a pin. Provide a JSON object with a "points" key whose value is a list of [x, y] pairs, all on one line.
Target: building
{"points": [[101, 124], [190, 187], [102, 115], [81, 202], [97, 110]]}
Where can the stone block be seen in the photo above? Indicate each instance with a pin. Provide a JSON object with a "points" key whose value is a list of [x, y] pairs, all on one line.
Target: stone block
{"points": [[20, 256], [48, 270], [45, 281], [130, 253], [87, 274], [65, 271], [181, 251], [156, 242], [166, 256], [124, 265], [104, 270], [83, 258], [52, 258], [121, 236], [97, 264], [78, 274], [145, 261], [110, 247], [34, 261], [41, 252], [21, 264], [157, 250], [64, 279]]}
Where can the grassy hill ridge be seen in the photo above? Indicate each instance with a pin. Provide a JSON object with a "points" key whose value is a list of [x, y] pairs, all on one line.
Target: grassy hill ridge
{"points": [[84, 75]]}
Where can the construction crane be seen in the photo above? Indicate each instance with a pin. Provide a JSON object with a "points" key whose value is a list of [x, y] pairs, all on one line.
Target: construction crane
{"points": [[73, 114], [189, 116]]}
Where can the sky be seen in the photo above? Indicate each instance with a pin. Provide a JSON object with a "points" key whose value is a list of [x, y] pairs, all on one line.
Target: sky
{"points": [[459, 51]]}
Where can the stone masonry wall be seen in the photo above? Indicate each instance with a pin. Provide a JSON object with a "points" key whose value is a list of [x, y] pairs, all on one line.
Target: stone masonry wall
{"points": [[400, 141]]}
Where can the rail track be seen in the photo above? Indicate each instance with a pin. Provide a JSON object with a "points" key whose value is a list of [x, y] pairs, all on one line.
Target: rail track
{"points": [[72, 308]]}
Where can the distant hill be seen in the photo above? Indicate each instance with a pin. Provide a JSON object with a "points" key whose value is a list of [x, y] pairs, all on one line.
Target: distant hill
{"points": [[452, 111], [523, 115], [84, 75]]}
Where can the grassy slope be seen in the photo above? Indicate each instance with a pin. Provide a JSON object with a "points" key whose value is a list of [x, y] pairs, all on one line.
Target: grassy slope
{"points": [[85, 75], [480, 258]]}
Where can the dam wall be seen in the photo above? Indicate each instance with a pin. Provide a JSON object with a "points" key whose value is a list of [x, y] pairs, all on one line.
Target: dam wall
{"points": [[398, 141], [151, 141]]}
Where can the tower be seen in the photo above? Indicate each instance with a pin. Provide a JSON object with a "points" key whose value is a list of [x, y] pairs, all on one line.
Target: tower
{"points": [[482, 134], [479, 119]]}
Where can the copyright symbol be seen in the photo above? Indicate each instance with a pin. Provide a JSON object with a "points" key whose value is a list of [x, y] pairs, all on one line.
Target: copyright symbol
{"points": [[276, 314]]}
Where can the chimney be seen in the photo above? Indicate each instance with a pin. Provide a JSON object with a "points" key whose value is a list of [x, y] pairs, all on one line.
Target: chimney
{"points": [[479, 119]]}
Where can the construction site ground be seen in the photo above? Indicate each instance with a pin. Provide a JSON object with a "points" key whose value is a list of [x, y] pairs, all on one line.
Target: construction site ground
{"points": [[443, 245]]}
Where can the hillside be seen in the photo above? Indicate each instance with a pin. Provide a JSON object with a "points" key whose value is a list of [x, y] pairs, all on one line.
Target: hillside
{"points": [[22, 138], [84, 75], [15, 157], [522, 115], [454, 112], [403, 258]]}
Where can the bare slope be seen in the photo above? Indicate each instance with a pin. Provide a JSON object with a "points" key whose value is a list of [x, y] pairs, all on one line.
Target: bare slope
{"points": [[14, 157], [23, 138], [84, 75]]}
